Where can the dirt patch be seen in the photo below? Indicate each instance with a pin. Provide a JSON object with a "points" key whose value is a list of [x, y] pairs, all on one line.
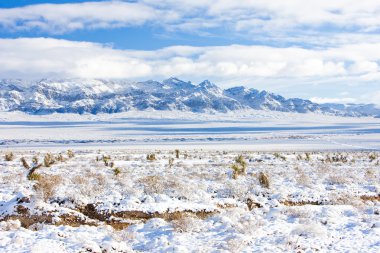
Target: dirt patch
{"points": [[66, 219], [301, 203], [371, 198], [251, 204], [317, 203], [168, 216], [118, 220]]}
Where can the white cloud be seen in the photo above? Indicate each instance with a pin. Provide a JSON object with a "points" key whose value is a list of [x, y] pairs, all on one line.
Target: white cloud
{"points": [[41, 57], [61, 18], [276, 20], [319, 73], [320, 100]]}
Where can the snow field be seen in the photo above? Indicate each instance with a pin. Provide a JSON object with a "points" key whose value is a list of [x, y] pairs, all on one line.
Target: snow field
{"points": [[317, 201]]}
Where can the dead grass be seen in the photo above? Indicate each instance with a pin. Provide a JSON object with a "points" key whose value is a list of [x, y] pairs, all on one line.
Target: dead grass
{"points": [[9, 156], [151, 157], [47, 185], [185, 222], [49, 160], [264, 180]]}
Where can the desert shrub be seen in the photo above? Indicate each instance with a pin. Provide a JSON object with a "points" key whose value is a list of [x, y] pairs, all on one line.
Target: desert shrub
{"points": [[49, 160], [106, 159], [151, 157], [185, 222], [171, 162], [47, 186], [239, 167], [24, 163], [335, 158], [307, 157], [9, 157], [303, 179], [279, 156], [70, 153], [35, 160], [264, 180], [372, 157], [60, 158], [34, 176], [153, 184], [296, 212], [177, 153], [116, 171], [338, 179]]}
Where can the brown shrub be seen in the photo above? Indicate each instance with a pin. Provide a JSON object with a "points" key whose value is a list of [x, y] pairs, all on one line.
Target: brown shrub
{"points": [[49, 160], [9, 157], [151, 157], [24, 163], [264, 180], [47, 185]]}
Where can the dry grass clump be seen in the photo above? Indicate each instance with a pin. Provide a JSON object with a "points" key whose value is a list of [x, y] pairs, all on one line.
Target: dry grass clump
{"points": [[24, 163], [34, 176], [302, 178], [153, 184], [185, 222], [307, 157], [372, 157], [9, 157], [279, 156], [335, 158], [345, 199], [49, 160], [47, 185], [171, 162], [116, 171], [297, 212], [106, 159], [370, 175], [60, 158], [151, 157], [239, 167], [338, 179], [70, 153], [264, 180]]}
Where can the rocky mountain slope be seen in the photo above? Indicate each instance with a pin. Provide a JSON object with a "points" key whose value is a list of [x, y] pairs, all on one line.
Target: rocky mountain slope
{"points": [[106, 96]]}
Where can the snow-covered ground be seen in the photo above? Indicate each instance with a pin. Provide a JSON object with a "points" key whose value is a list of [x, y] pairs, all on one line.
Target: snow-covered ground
{"points": [[251, 129], [311, 183], [317, 201]]}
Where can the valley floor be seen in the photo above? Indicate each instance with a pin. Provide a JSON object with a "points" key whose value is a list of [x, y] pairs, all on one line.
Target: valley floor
{"points": [[193, 200], [245, 130]]}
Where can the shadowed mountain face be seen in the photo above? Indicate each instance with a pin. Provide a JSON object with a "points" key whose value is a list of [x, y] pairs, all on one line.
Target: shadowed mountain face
{"points": [[105, 96]]}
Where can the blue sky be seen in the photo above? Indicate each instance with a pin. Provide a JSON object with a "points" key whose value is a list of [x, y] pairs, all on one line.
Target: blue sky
{"points": [[327, 50]]}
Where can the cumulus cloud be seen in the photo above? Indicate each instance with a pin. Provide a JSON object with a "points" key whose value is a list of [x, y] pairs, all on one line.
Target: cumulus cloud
{"points": [[41, 57], [62, 18], [320, 100], [276, 20]]}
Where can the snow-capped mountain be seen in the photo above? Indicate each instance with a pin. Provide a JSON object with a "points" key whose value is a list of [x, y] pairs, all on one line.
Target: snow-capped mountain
{"points": [[106, 96]]}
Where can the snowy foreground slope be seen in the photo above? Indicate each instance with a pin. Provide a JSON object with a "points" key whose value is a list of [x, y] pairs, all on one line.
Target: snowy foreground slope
{"points": [[189, 201], [303, 183], [111, 96]]}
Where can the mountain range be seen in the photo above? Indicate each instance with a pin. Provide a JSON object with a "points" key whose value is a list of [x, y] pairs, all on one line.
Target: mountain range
{"points": [[110, 96]]}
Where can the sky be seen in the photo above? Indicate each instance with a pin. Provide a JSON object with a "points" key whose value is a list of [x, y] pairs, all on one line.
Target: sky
{"points": [[323, 50]]}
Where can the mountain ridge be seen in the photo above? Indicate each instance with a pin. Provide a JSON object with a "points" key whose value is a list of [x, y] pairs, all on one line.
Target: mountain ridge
{"points": [[110, 96]]}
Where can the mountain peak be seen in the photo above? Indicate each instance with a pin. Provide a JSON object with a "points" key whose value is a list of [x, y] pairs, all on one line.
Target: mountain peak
{"points": [[208, 84], [109, 96]]}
